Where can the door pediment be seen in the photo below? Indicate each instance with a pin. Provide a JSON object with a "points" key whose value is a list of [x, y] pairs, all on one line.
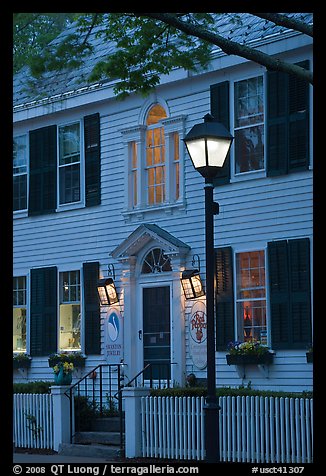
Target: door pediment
{"points": [[145, 234]]}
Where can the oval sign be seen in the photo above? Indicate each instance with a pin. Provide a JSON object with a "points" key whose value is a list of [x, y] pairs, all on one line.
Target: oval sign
{"points": [[198, 335]]}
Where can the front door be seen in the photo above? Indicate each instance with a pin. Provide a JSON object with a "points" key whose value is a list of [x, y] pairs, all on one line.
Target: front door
{"points": [[156, 331]]}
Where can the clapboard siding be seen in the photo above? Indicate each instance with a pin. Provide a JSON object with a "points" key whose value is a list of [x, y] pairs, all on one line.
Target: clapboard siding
{"points": [[254, 209]]}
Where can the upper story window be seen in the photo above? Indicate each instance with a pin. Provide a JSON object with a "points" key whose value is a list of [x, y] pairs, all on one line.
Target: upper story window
{"points": [[20, 173], [155, 156], [69, 163], [249, 125], [19, 314], [154, 176]]}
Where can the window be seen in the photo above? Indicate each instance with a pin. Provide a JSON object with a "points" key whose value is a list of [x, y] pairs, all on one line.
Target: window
{"points": [[251, 296], [69, 163], [156, 261], [19, 314], [20, 173], [154, 175], [70, 313], [155, 156], [249, 125]]}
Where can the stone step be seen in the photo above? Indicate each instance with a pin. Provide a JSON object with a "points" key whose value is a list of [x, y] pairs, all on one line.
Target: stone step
{"points": [[92, 451], [106, 424], [100, 437]]}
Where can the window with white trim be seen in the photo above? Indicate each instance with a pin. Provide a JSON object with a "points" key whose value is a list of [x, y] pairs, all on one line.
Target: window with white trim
{"points": [[20, 173], [249, 125], [155, 161], [70, 311], [19, 314], [69, 163], [251, 296]]}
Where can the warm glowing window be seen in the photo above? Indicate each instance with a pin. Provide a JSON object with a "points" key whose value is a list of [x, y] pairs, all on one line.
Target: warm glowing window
{"points": [[19, 314], [155, 156], [251, 296], [70, 317]]}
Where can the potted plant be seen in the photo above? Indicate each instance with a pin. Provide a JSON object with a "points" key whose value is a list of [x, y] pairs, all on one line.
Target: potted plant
{"points": [[248, 352], [21, 361], [76, 358], [310, 355], [63, 373]]}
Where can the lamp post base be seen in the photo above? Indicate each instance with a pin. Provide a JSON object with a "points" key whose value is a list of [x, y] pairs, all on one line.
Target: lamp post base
{"points": [[212, 420]]}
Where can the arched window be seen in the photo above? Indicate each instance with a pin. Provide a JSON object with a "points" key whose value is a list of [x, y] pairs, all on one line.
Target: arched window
{"points": [[154, 163], [155, 156], [156, 261]]}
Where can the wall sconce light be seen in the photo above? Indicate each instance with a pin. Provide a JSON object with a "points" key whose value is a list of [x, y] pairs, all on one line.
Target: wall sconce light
{"points": [[191, 281], [106, 289]]}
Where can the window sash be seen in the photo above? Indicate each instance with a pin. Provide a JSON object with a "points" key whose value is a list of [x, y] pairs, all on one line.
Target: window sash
{"points": [[69, 168], [70, 311]]}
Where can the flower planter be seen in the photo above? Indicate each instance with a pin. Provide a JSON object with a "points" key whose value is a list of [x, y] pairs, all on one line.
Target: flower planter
{"points": [[249, 359], [61, 378], [310, 357], [21, 363], [77, 360]]}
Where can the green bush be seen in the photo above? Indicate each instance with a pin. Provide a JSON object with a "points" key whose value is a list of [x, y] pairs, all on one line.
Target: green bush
{"points": [[85, 412], [38, 386], [225, 391]]}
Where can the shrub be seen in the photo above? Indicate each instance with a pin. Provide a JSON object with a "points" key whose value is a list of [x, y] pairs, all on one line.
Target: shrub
{"points": [[38, 386]]}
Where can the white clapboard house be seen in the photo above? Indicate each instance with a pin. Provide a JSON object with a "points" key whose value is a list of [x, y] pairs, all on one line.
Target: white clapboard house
{"points": [[105, 188]]}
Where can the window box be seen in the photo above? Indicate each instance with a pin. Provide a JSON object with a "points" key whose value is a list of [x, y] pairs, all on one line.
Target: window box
{"points": [[75, 357], [247, 359], [21, 361], [310, 357]]}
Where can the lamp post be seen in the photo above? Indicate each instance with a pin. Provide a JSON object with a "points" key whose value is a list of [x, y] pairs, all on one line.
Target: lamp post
{"points": [[208, 145]]}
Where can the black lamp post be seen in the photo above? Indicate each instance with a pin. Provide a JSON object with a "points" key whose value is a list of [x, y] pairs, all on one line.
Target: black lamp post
{"points": [[208, 145]]}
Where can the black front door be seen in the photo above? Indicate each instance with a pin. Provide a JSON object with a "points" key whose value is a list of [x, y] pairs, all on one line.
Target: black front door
{"points": [[156, 331]]}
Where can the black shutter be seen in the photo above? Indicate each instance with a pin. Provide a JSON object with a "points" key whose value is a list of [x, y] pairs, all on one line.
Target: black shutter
{"points": [[43, 314], [43, 171], [92, 160], [289, 281], [287, 121], [91, 308], [224, 298], [299, 272], [279, 294], [220, 109]]}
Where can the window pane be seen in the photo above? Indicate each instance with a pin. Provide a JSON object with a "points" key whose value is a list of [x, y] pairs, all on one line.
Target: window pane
{"points": [[69, 144], [70, 322], [19, 329], [19, 155], [69, 184], [249, 149], [155, 114]]}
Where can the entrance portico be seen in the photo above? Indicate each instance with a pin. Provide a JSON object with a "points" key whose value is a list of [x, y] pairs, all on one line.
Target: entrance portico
{"points": [[153, 301]]}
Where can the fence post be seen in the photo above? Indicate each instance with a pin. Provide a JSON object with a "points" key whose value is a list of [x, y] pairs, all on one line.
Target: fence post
{"points": [[61, 415], [132, 404]]}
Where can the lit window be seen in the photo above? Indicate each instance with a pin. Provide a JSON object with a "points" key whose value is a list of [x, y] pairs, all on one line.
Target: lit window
{"points": [[20, 173], [249, 125], [19, 314], [251, 296], [69, 163], [70, 317]]}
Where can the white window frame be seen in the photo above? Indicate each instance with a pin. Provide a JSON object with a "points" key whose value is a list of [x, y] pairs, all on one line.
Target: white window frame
{"points": [[23, 211], [238, 328], [60, 301], [251, 174], [27, 312], [137, 135], [81, 201]]}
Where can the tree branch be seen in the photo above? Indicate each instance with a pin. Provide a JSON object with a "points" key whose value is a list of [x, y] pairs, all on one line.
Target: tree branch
{"points": [[283, 20], [232, 48]]}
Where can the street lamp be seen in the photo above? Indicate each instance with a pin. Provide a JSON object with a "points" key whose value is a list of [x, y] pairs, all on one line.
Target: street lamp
{"points": [[208, 145]]}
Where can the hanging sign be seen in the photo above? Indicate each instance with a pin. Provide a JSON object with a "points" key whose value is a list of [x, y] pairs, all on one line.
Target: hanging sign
{"points": [[113, 336], [198, 335]]}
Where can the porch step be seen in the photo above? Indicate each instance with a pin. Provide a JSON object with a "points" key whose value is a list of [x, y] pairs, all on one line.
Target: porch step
{"points": [[98, 437], [106, 424], [92, 451]]}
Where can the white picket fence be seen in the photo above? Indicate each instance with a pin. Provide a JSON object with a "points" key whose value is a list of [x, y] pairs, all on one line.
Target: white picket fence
{"points": [[33, 420], [252, 429]]}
